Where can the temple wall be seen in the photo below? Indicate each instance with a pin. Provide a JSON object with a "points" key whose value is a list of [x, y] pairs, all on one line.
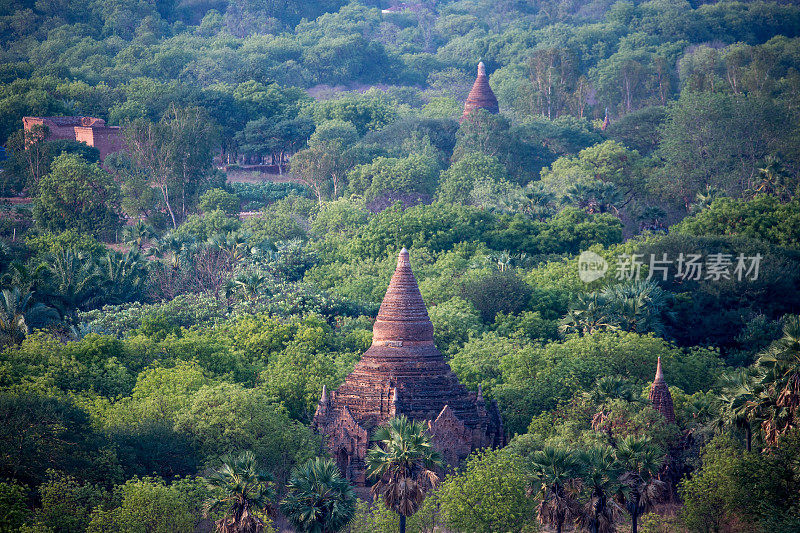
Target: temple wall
{"points": [[88, 130], [58, 131]]}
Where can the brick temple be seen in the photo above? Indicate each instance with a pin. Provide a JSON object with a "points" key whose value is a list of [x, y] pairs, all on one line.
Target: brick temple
{"points": [[660, 397], [481, 96], [88, 130], [403, 373]]}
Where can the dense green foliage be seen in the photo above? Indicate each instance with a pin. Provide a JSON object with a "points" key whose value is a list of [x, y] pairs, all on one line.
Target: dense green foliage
{"points": [[170, 315]]}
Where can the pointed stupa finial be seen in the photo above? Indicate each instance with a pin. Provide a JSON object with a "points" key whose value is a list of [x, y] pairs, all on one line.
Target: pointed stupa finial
{"points": [[402, 316], [395, 397], [324, 398], [403, 257], [479, 398], [659, 371], [481, 69]]}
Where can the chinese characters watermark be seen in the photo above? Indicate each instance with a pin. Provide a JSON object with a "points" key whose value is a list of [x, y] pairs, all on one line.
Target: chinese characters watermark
{"points": [[686, 266]]}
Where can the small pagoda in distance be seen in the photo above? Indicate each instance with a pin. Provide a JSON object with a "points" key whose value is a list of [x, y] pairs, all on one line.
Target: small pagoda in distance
{"points": [[481, 96], [403, 373], [660, 398]]}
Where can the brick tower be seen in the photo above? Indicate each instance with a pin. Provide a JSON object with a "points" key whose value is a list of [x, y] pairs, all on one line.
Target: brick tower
{"points": [[481, 96], [660, 397], [403, 373]]}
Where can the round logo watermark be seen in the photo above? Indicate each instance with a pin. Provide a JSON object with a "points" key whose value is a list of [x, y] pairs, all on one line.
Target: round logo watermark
{"points": [[591, 267]]}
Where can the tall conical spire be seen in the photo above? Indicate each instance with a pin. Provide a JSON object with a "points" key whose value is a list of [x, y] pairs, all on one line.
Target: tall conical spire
{"points": [[481, 96], [659, 371], [660, 397], [402, 317], [404, 357]]}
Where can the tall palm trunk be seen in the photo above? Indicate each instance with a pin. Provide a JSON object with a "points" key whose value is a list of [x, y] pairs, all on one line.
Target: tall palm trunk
{"points": [[402, 523]]}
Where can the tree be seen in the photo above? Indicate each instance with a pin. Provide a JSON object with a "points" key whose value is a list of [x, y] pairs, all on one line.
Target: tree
{"points": [[403, 463], [18, 313], [595, 197], [498, 292], [265, 136], [14, 510], [711, 494], [775, 179], [175, 153], [640, 462], [457, 182], [780, 403], [488, 494], [29, 159], [319, 499], [453, 323], [226, 418], [738, 397], [720, 140], [43, 431], [242, 491], [219, 199], [73, 280], [554, 471], [77, 195], [145, 504], [637, 306], [416, 173], [763, 218], [313, 167], [149, 148], [598, 471], [123, 276], [335, 138]]}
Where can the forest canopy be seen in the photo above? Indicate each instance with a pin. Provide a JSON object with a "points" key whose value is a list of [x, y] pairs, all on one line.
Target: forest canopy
{"points": [[172, 309]]}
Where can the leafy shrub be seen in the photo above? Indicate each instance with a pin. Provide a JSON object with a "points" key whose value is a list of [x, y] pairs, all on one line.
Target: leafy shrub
{"points": [[219, 199]]}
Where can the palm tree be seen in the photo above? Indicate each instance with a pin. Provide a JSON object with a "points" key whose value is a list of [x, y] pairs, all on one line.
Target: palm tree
{"points": [[124, 276], [606, 390], [540, 203], [250, 283], [738, 395], [138, 234], [403, 463], [554, 470], [780, 399], [18, 312], [637, 305], [73, 279], [640, 462], [171, 247], [599, 468], [589, 313], [651, 218], [703, 200], [320, 500], [233, 244], [17, 275], [241, 489], [774, 179], [595, 197]]}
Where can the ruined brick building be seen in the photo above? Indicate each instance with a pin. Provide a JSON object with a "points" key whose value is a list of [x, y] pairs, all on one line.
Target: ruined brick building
{"points": [[403, 373], [660, 398], [481, 96], [89, 130]]}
